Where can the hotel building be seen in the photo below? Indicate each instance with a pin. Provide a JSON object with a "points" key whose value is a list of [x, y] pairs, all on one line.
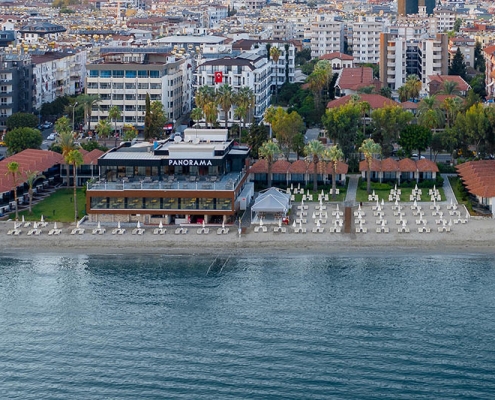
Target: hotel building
{"points": [[200, 178]]}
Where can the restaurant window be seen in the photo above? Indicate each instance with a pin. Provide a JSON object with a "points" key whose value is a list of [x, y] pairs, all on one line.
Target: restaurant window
{"points": [[118, 85], [205, 204], [142, 74], [99, 202], [188, 203], [116, 203], [130, 74], [170, 203], [152, 203], [94, 74], [224, 204], [118, 74], [154, 74], [135, 202]]}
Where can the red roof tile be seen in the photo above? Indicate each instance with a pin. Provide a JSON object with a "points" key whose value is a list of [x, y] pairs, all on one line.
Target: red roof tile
{"points": [[298, 167], [390, 165], [354, 78], [479, 177], [425, 165], [407, 165], [374, 100], [462, 85], [259, 167], [333, 56], [280, 167]]}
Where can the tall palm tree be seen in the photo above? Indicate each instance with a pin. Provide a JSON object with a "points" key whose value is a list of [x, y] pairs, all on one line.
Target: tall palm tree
{"points": [[114, 114], [74, 158], [275, 54], [225, 99], [314, 150], [196, 115], [403, 94], [210, 110], [334, 154], [268, 151], [369, 148], [103, 128], [451, 107], [450, 87], [31, 178], [429, 113], [413, 85], [13, 170], [87, 101], [66, 142], [241, 113], [204, 95], [246, 99]]}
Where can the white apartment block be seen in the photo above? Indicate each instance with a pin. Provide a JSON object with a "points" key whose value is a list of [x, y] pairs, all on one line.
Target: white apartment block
{"points": [[282, 30], [393, 61], [123, 79], [327, 35], [445, 18], [249, 69], [57, 74], [466, 46], [434, 56], [366, 39]]}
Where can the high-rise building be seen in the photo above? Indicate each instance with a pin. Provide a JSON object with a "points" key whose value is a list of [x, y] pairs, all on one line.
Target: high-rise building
{"points": [[409, 7]]}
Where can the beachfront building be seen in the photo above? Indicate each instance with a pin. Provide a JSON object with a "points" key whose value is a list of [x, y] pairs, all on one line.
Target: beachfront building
{"points": [[478, 177], [200, 178], [390, 170], [124, 76], [285, 173]]}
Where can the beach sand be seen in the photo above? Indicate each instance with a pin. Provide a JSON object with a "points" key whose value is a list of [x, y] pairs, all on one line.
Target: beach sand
{"points": [[476, 236]]}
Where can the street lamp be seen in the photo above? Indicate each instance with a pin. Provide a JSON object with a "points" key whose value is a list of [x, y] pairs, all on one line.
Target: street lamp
{"points": [[73, 111]]}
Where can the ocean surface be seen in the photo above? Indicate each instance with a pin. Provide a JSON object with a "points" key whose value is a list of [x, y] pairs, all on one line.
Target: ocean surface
{"points": [[254, 327]]}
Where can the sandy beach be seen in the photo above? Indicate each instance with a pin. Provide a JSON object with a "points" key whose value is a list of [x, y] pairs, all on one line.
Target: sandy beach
{"points": [[476, 235]]}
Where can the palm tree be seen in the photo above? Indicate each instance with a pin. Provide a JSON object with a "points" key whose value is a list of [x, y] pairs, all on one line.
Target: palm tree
{"points": [[246, 99], [241, 113], [429, 113], [413, 85], [369, 148], [225, 99], [451, 107], [403, 95], [210, 110], [87, 101], [74, 158], [268, 151], [66, 142], [31, 178], [196, 115], [13, 170], [275, 54], [204, 95], [103, 128], [334, 154], [114, 114], [451, 88], [314, 151]]}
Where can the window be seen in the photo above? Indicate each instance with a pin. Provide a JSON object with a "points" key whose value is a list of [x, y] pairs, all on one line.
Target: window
{"points": [[130, 86], [142, 74], [154, 74], [92, 73], [118, 74], [130, 74], [143, 85], [3, 100], [105, 74]]}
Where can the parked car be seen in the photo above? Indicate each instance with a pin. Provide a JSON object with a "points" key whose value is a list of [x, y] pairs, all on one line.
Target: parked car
{"points": [[52, 136], [47, 125], [415, 157]]}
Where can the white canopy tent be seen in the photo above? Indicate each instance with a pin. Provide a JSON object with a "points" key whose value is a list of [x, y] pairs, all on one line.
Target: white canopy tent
{"points": [[271, 205]]}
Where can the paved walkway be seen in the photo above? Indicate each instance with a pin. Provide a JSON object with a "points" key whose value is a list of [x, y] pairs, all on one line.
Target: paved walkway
{"points": [[352, 188], [447, 189]]}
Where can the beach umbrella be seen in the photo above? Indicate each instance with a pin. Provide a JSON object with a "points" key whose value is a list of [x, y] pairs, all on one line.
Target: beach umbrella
{"points": [[395, 187], [451, 201], [160, 225], [404, 222], [360, 223], [360, 217], [434, 188], [118, 225], [55, 225], [300, 224], [99, 225], [138, 225], [383, 222], [313, 216], [377, 203], [261, 221], [467, 214], [322, 193], [383, 203], [307, 193], [223, 224], [42, 219], [416, 187], [415, 204], [359, 207], [291, 186], [318, 223], [280, 222], [23, 218], [450, 222], [396, 202], [202, 223], [321, 202], [299, 186], [373, 194], [444, 222], [294, 224], [337, 208]]}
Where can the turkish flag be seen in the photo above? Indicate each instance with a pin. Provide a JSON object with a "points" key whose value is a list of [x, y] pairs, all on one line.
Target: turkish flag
{"points": [[218, 77]]}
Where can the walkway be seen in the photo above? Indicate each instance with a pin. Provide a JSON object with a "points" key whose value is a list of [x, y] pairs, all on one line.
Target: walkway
{"points": [[352, 188], [447, 189]]}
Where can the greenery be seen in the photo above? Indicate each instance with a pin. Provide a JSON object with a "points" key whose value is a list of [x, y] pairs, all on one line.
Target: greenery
{"points": [[461, 193], [55, 108], [57, 207], [458, 66], [382, 190], [22, 120], [20, 139], [90, 146]]}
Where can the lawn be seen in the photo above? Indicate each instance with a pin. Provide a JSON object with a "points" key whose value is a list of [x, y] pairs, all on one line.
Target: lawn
{"points": [[326, 188], [57, 207], [362, 195]]}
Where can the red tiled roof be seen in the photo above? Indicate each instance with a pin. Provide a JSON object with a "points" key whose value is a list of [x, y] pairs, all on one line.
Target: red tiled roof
{"points": [[280, 167], [409, 105], [390, 165], [259, 167], [333, 56], [462, 85], [92, 156], [298, 167], [376, 165], [479, 177], [342, 168], [374, 100], [28, 160], [425, 165], [354, 78], [407, 165]]}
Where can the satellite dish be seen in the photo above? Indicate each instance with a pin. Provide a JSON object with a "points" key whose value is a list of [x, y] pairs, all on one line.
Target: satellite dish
{"points": [[177, 139], [196, 140]]}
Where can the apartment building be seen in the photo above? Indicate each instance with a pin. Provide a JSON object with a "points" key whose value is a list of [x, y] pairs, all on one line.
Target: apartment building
{"points": [[434, 55], [123, 77], [489, 54], [253, 70], [444, 17], [366, 39], [392, 61], [327, 35], [466, 45], [16, 89], [57, 74]]}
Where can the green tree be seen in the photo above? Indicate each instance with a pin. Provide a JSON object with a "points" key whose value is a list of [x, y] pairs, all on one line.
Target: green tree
{"points": [[457, 24], [342, 125], [334, 154], [130, 132], [62, 126], [22, 120], [103, 128], [450, 88], [66, 143], [369, 148], [319, 79], [74, 158], [387, 123], [31, 178], [258, 134], [413, 86], [436, 144], [476, 125], [478, 86], [286, 126], [225, 99], [20, 139], [147, 118], [114, 114], [386, 92], [13, 171], [314, 150], [429, 113], [479, 58], [87, 102], [275, 54], [245, 101], [451, 107], [457, 65], [158, 119], [415, 137], [196, 115], [204, 95], [269, 151]]}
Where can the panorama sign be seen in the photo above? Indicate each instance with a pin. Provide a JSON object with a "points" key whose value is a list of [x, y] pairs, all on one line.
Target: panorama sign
{"points": [[190, 163]]}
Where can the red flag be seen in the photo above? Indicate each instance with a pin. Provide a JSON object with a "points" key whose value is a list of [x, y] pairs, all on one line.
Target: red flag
{"points": [[218, 77]]}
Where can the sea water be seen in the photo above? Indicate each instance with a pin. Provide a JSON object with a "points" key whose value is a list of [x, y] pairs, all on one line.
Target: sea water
{"points": [[251, 327]]}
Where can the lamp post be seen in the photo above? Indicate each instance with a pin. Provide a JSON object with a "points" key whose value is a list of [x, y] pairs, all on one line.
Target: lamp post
{"points": [[73, 111]]}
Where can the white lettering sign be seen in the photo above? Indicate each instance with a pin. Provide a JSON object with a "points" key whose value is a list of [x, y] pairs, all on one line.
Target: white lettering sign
{"points": [[187, 163]]}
